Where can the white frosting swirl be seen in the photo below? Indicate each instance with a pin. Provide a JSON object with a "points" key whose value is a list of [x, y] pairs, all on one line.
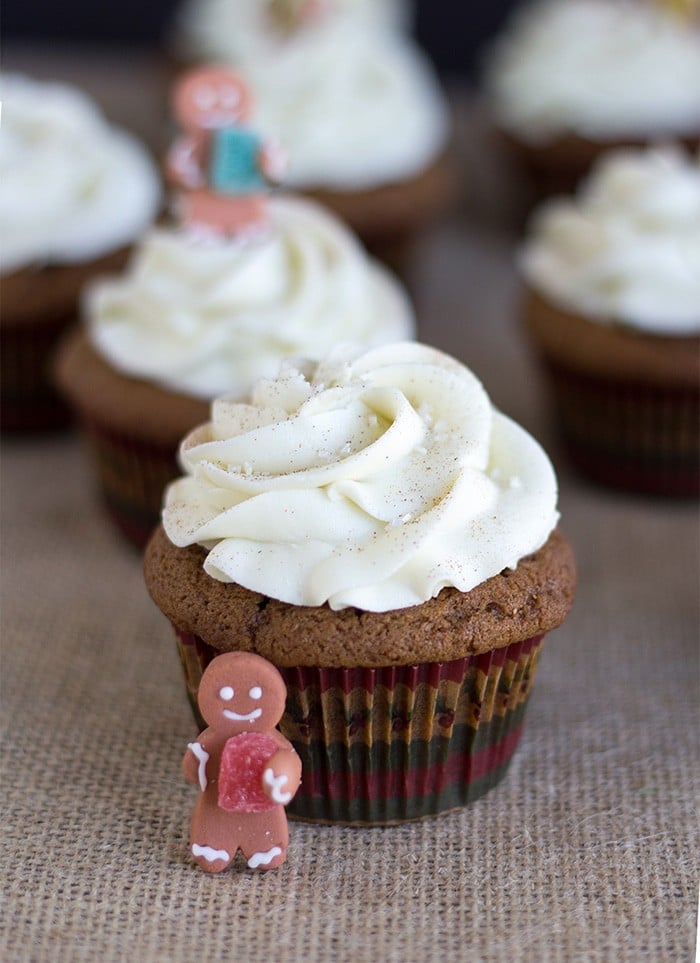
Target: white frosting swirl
{"points": [[355, 105], [627, 248], [603, 69], [232, 30], [370, 480], [211, 318], [72, 188]]}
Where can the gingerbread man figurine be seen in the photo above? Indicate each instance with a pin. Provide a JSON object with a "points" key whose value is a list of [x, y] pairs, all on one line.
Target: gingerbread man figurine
{"points": [[222, 167], [246, 770]]}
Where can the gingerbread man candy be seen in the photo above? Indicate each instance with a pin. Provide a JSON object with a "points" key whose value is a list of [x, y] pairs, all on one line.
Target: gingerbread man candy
{"points": [[222, 167], [246, 770]]}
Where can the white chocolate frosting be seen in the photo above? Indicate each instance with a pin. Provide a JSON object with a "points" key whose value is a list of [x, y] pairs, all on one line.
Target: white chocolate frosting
{"points": [[369, 479], [627, 248], [72, 188], [355, 105], [211, 318], [602, 69]]}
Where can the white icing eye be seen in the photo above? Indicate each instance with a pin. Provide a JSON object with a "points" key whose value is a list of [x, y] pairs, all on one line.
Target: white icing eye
{"points": [[205, 98], [229, 97], [255, 692], [226, 693]]}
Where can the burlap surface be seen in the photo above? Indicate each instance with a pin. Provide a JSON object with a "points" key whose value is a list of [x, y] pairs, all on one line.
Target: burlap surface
{"points": [[587, 850]]}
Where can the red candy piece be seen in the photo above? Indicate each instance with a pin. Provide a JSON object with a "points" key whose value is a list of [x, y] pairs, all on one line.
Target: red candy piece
{"points": [[243, 761]]}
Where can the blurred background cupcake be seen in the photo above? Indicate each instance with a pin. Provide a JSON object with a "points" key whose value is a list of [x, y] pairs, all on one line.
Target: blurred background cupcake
{"points": [[74, 193], [613, 306], [376, 529], [567, 79], [355, 102], [208, 305]]}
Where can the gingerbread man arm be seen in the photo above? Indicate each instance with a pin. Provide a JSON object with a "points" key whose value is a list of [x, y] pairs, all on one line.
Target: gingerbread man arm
{"points": [[184, 163], [194, 763], [272, 161], [282, 775]]}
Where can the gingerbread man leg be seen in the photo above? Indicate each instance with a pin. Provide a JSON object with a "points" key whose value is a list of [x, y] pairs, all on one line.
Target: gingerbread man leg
{"points": [[215, 215], [266, 836], [213, 836]]}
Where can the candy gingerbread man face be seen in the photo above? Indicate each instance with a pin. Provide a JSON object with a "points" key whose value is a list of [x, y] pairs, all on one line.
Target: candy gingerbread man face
{"points": [[241, 692], [210, 98]]}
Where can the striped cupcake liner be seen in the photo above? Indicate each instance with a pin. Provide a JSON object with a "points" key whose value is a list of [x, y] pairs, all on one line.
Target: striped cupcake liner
{"points": [[638, 437], [28, 400], [132, 475], [396, 743]]}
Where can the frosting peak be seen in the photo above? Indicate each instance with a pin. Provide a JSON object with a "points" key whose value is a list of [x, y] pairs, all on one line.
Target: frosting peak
{"points": [[368, 479], [603, 69], [354, 102], [72, 188], [211, 318], [627, 247]]}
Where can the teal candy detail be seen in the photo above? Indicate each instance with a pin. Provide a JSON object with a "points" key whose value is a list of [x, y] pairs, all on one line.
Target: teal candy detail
{"points": [[233, 167]]}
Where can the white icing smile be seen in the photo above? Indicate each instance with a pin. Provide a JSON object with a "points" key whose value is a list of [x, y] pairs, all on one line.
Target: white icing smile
{"points": [[236, 717], [215, 120]]}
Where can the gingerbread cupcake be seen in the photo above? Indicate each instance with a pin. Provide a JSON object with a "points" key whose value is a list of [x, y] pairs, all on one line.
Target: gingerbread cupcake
{"points": [[351, 97], [208, 306], [375, 529], [569, 80], [75, 193], [613, 307]]}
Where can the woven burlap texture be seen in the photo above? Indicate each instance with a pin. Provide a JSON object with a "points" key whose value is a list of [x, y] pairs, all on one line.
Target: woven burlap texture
{"points": [[584, 852]]}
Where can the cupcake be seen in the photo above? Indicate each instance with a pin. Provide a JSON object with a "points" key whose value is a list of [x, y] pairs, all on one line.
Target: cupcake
{"points": [[375, 529], [193, 317], [612, 304], [74, 194], [355, 103], [568, 80]]}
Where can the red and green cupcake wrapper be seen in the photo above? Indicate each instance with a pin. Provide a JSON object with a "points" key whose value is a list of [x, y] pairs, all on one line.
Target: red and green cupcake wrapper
{"points": [[396, 743], [639, 437], [28, 400], [132, 475]]}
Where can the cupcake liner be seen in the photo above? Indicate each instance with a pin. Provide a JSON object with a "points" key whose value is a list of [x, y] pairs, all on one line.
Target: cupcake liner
{"points": [[396, 743], [635, 436], [28, 401], [39, 304], [132, 475]]}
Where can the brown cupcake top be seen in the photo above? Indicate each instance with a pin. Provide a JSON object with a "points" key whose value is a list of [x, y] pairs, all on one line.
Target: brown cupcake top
{"points": [[610, 350], [557, 165], [514, 605], [394, 209], [122, 403], [44, 292]]}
